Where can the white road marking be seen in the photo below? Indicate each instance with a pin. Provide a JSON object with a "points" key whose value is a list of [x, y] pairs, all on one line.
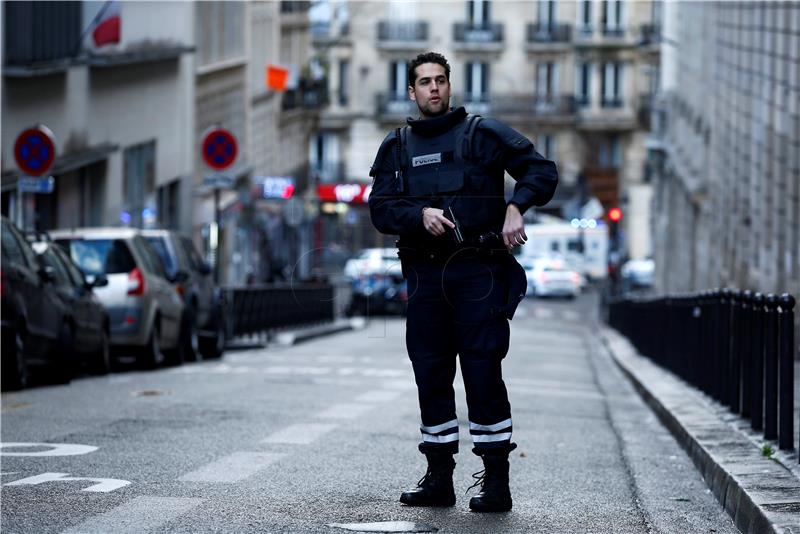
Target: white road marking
{"points": [[379, 395], [56, 449], [137, 515], [232, 468], [345, 411], [300, 434], [103, 485]]}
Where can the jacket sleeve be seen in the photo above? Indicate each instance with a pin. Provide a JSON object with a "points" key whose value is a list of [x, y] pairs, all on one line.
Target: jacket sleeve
{"points": [[391, 210], [536, 176]]}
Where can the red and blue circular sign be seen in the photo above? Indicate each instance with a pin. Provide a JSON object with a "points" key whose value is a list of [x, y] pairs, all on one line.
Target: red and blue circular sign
{"points": [[35, 150], [219, 149]]}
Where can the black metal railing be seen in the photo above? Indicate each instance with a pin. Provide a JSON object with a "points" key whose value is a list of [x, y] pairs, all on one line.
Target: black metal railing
{"points": [[395, 105], [402, 31], [613, 31], [467, 32], [736, 346], [549, 33], [534, 105], [262, 309], [310, 95], [295, 6]]}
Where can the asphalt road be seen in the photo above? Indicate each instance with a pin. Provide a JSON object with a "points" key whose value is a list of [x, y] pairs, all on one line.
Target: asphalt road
{"points": [[293, 439]]}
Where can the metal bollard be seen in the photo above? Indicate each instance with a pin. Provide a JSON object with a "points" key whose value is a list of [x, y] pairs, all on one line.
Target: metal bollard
{"points": [[746, 360], [786, 371], [771, 368], [757, 364], [724, 345], [736, 343]]}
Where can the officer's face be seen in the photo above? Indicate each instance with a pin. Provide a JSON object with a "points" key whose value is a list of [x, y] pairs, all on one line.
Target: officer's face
{"points": [[431, 90]]}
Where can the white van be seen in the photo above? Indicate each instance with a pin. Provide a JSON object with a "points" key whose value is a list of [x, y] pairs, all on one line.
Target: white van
{"points": [[563, 240]]}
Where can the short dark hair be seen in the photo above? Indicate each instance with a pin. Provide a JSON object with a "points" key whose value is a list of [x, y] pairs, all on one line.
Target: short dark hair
{"points": [[427, 57]]}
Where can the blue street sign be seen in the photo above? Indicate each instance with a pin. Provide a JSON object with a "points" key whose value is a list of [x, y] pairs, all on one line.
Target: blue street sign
{"points": [[36, 185]]}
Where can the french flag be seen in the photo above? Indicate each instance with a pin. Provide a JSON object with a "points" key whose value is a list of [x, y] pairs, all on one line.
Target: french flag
{"points": [[109, 27]]}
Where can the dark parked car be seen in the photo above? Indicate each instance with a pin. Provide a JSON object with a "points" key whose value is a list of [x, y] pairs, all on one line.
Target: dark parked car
{"points": [[204, 306], [35, 321], [89, 326]]}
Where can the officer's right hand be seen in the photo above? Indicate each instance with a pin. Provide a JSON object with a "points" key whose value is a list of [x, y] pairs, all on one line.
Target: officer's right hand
{"points": [[434, 221]]}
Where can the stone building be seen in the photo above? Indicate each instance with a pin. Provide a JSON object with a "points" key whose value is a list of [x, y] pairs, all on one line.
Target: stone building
{"points": [[576, 77], [725, 150]]}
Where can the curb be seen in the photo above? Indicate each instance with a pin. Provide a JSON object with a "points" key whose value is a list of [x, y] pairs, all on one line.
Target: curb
{"points": [[305, 334], [760, 494]]}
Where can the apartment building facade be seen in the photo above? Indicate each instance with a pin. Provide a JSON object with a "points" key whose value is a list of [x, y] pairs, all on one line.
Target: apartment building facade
{"points": [[726, 149], [129, 117], [575, 77], [118, 113]]}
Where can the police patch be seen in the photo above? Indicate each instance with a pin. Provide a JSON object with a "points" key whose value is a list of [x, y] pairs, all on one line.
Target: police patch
{"points": [[427, 159]]}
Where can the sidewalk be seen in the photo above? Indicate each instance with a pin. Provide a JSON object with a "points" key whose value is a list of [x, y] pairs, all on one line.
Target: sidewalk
{"points": [[761, 494]]}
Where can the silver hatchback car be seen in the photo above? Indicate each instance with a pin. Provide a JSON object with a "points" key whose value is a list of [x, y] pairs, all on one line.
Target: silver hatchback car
{"points": [[144, 310]]}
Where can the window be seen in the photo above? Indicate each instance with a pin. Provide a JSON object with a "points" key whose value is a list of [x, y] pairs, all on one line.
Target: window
{"points": [[325, 157], [609, 155], [583, 91], [139, 184], [612, 13], [611, 89], [159, 245], [60, 272], [219, 31], [477, 83], [168, 209], [545, 80], [149, 257], [12, 252], [100, 256], [398, 82], [478, 12], [74, 273], [344, 75], [585, 16], [547, 13]]}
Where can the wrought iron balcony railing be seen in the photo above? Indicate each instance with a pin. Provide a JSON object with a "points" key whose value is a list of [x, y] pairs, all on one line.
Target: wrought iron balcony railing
{"points": [[402, 31], [549, 33], [467, 32]]}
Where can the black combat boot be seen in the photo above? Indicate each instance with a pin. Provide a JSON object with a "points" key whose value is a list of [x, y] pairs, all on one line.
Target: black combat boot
{"points": [[495, 496], [436, 487]]}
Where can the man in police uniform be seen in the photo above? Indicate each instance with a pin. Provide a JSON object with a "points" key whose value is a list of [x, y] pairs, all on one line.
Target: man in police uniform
{"points": [[441, 189]]}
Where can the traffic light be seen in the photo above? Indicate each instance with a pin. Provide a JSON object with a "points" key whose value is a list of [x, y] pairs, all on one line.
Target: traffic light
{"points": [[614, 215]]}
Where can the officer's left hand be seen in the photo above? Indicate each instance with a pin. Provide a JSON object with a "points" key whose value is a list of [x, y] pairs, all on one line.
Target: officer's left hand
{"points": [[514, 228]]}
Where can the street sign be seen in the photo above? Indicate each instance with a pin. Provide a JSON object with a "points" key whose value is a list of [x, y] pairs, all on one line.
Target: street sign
{"points": [[27, 184], [218, 181], [219, 149], [35, 150]]}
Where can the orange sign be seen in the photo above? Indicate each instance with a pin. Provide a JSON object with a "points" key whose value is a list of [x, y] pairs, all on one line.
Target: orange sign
{"points": [[277, 77]]}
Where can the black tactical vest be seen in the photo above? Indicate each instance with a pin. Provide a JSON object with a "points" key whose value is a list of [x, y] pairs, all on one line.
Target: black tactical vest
{"points": [[448, 171]]}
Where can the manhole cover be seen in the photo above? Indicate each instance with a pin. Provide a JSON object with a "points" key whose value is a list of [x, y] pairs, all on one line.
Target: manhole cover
{"points": [[386, 526]]}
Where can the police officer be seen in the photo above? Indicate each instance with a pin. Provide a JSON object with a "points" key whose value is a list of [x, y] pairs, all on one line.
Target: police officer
{"points": [[439, 185]]}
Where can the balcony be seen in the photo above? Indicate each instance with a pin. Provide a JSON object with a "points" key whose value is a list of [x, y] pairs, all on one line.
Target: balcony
{"points": [[551, 109], [402, 35], [471, 37], [547, 37], [309, 95], [606, 37], [613, 114]]}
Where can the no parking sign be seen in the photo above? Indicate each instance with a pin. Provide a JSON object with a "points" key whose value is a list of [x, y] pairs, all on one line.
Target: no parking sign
{"points": [[35, 150], [219, 149]]}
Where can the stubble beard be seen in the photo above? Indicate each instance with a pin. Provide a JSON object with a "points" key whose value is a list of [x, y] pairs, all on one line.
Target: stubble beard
{"points": [[428, 112]]}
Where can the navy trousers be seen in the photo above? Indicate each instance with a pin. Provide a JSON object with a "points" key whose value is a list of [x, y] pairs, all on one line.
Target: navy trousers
{"points": [[455, 309]]}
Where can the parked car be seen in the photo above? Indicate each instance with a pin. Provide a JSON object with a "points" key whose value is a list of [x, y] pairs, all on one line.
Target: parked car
{"points": [[377, 282], [89, 333], [638, 273], [204, 311], [35, 320], [143, 307], [548, 277]]}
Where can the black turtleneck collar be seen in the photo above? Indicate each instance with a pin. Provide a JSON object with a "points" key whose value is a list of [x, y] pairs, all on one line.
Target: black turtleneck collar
{"points": [[438, 125]]}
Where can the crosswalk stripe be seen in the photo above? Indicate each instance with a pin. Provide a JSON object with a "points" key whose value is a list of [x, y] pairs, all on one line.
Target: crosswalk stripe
{"points": [[345, 411], [300, 434], [137, 515], [232, 468]]}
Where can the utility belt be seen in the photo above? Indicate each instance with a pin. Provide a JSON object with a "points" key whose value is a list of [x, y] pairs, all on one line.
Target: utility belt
{"points": [[487, 245]]}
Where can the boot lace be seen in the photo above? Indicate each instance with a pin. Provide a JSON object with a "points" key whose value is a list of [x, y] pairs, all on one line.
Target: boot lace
{"points": [[480, 476], [425, 477]]}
